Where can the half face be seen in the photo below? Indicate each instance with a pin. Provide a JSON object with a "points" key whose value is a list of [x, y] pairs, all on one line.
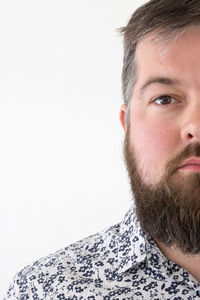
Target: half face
{"points": [[165, 106], [162, 143]]}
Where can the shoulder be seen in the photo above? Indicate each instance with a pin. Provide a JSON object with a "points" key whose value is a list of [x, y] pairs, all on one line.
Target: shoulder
{"points": [[72, 269]]}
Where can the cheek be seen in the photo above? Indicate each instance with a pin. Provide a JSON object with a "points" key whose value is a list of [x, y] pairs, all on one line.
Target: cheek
{"points": [[154, 143], [156, 138]]}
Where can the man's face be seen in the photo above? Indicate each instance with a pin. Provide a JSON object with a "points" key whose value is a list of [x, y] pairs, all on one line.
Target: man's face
{"points": [[164, 133], [165, 117]]}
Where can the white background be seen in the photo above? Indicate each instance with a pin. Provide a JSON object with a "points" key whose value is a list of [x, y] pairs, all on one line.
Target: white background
{"points": [[62, 175]]}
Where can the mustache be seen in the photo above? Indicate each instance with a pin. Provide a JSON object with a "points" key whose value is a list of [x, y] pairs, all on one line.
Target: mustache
{"points": [[174, 164]]}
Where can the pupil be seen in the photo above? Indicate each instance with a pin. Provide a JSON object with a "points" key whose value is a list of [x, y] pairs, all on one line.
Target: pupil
{"points": [[165, 100]]}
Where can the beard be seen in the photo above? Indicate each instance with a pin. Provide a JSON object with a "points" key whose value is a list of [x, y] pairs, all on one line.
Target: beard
{"points": [[168, 211]]}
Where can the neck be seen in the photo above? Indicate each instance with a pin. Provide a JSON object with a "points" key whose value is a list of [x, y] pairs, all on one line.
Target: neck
{"points": [[190, 263]]}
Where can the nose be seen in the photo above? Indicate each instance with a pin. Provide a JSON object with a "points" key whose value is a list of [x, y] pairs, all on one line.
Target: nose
{"points": [[191, 125]]}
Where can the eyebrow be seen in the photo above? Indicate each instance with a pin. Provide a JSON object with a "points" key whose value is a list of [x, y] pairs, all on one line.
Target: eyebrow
{"points": [[161, 80]]}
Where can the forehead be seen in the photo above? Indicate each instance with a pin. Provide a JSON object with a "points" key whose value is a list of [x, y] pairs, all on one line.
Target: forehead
{"points": [[179, 56]]}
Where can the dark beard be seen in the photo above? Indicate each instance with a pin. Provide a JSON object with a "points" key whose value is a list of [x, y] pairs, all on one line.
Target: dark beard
{"points": [[170, 210]]}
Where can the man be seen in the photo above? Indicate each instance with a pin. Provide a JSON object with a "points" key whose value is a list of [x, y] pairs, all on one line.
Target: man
{"points": [[154, 253]]}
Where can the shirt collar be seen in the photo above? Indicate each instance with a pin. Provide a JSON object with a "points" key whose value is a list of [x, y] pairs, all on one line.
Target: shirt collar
{"points": [[136, 247], [132, 242]]}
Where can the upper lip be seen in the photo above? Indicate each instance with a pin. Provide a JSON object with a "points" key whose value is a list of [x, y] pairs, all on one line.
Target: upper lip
{"points": [[191, 161]]}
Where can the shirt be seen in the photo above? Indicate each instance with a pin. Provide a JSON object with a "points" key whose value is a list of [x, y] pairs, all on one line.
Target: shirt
{"points": [[122, 262]]}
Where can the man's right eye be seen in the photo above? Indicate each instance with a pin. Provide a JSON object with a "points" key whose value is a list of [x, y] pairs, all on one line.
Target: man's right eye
{"points": [[164, 100]]}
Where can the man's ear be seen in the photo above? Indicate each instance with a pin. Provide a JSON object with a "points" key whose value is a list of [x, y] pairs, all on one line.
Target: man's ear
{"points": [[122, 116]]}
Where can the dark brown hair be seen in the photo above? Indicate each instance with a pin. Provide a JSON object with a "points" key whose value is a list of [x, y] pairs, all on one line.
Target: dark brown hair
{"points": [[164, 17]]}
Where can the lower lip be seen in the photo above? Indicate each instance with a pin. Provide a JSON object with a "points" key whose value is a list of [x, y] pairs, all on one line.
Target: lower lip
{"points": [[193, 168]]}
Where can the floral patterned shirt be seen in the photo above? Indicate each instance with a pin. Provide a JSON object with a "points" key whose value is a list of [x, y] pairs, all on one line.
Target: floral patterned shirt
{"points": [[120, 263]]}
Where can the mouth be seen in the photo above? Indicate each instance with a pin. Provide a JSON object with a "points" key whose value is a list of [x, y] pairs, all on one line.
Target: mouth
{"points": [[192, 165]]}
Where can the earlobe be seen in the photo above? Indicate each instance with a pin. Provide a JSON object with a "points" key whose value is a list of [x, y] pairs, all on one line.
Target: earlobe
{"points": [[122, 116]]}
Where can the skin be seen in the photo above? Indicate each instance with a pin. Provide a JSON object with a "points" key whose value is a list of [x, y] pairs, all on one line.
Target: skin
{"points": [[162, 127]]}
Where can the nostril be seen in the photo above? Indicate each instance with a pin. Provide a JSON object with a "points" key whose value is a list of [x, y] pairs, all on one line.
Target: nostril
{"points": [[190, 135]]}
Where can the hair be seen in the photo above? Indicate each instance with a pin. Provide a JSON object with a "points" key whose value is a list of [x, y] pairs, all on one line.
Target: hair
{"points": [[166, 18]]}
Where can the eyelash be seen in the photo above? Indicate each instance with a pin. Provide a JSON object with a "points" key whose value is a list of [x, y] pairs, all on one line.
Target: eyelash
{"points": [[164, 96]]}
